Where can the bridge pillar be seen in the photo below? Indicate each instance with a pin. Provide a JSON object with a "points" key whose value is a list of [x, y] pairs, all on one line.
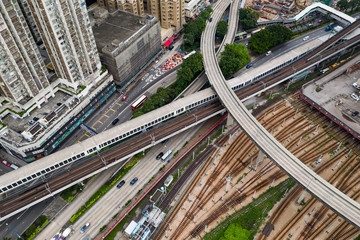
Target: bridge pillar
{"points": [[260, 158], [302, 197], [229, 121]]}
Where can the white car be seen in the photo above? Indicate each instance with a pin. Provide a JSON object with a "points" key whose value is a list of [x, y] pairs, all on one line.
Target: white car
{"points": [[356, 86], [305, 38], [355, 97], [268, 53], [85, 227]]}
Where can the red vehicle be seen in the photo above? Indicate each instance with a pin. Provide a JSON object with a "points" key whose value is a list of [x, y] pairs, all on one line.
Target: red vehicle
{"points": [[124, 97], [138, 103], [5, 162]]}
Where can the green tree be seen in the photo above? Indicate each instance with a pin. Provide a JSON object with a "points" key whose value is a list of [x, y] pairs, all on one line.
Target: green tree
{"points": [[221, 29], [233, 58], [343, 4], [269, 37], [6, 238], [30, 230], [235, 232], [248, 18], [189, 39]]}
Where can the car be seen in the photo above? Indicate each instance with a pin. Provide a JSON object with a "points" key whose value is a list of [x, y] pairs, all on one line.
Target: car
{"points": [[210, 19], [124, 97], [249, 65], [355, 97], [305, 38], [86, 226], [171, 47], [159, 155], [133, 181], [120, 184], [356, 86], [164, 141], [116, 120], [6, 163], [268, 53], [13, 166], [355, 113], [320, 21]]}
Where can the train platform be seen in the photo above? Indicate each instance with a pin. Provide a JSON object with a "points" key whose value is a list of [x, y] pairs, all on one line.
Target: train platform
{"points": [[331, 95]]}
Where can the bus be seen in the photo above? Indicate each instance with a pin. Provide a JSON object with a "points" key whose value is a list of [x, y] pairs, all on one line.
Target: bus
{"points": [[241, 35], [138, 103], [166, 155], [191, 53]]}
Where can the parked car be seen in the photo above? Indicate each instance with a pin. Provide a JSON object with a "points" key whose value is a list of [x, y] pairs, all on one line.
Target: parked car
{"points": [[210, 19], [120, 184], [116, 120], [305, 38], [133, 181], [13, 166], [6, 163], [124, 97], [355, 97], [355, 113], [159, 155], [86, 226], [356, 86], [268, 53], [249, 65]]}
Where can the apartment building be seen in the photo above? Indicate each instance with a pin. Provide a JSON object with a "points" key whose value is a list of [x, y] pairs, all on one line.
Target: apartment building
{"points": [[22, 70], [65, 29], [170, 13]]}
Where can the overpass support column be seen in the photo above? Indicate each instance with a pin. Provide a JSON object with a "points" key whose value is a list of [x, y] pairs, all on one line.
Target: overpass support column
{"points": [[302, 197], [260, 158], [229, 121]]}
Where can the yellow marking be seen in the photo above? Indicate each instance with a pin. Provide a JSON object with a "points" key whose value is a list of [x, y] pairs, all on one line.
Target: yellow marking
{"points": [[86, 135], [112, 110], [106, 115], [100, 122], [119, 104], [94, 128]]}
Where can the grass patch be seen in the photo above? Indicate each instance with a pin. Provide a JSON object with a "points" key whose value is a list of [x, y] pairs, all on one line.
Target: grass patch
{"points": [[36, 227], [103, 69], [106, 187], [18, 113], [69, 193], [82, 87], [252, 216]]}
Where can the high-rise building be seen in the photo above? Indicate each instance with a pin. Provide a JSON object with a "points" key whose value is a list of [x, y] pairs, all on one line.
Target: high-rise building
{"points": [[65, 29], [24, 6], [22, 70], [170, 13]]}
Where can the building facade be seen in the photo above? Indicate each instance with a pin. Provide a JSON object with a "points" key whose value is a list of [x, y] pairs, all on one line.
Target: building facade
{"points": [[170, 13], [22, 70], [65, 29]]}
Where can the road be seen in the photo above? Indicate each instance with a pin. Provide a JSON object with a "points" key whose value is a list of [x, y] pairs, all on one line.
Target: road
{"points": [[103, 211]]}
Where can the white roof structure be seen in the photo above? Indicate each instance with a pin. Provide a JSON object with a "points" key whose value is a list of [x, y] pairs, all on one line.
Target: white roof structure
{"points": [[315, 6], [129, 230]]}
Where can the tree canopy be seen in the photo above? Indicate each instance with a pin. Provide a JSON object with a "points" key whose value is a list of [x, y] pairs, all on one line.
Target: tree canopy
{"points": [[221, 29], [233, 58], [189, 70], [235, 232], [193, 29], [248, 18], [344, 5], [269, 37]]}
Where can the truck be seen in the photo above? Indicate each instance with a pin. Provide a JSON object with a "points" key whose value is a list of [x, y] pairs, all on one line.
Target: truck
{"points": [[166, 155]]}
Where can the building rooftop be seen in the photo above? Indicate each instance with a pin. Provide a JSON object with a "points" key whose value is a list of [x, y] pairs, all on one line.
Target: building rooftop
{"points": [[333, 94], [116, 28]]}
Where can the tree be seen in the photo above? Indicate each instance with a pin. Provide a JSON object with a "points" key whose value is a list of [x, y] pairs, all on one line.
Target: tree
{"points": [[343, 5], [233, 58], [269, 37], [189, 39], [221, 29], [235, 232], [248, 18]]}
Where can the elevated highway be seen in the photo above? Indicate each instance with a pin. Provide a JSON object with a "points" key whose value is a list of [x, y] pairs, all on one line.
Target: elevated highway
{"points": [[321, 189], [18, 184]]}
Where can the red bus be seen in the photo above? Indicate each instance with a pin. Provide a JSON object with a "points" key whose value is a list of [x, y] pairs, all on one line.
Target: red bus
{"points": [[138, 103]]}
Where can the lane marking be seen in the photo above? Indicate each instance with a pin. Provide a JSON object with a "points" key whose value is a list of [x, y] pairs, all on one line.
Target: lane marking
{"points": [[106, 115], [112, 110], [99, 121], [86, 135], [118, 104]]}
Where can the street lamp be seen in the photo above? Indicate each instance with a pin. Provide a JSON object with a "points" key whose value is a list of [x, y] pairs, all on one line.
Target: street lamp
{"points": [[13, 230]]}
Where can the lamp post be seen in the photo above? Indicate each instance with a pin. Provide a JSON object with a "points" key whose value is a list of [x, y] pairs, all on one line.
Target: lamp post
{"points": [[13, 230]]}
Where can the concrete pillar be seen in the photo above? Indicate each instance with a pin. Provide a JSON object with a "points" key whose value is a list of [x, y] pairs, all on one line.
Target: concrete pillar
{"points": [[302, 197], [229, 121], [260, 157]]}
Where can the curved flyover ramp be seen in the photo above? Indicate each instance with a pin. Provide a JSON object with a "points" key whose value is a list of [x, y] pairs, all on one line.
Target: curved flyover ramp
{"points": [[321, 189]]}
